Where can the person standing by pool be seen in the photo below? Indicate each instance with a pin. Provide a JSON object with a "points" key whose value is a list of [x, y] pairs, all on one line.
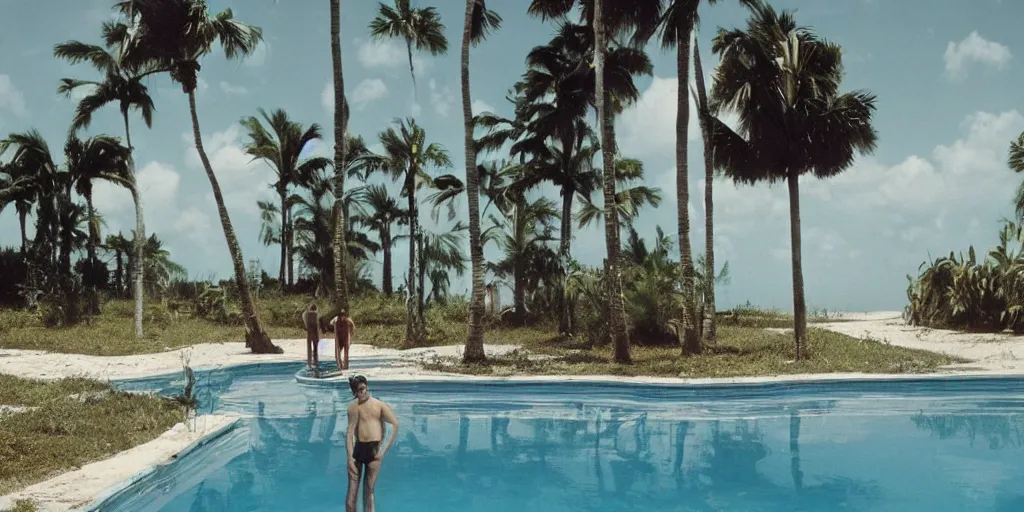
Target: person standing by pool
{"points": [[366, 419], [311, 320], [343, 329]]}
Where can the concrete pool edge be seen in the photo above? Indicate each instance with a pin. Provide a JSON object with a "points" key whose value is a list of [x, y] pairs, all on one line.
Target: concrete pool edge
{"points": [[115, 490], [699, 382]]}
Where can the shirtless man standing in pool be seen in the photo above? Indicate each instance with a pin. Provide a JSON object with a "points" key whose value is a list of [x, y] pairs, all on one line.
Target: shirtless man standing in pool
{"points": [[366, 419]]}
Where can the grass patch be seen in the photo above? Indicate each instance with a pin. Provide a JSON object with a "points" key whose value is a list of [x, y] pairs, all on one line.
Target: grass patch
{"points": [[23, 506], [741, 351], [74, 422]]}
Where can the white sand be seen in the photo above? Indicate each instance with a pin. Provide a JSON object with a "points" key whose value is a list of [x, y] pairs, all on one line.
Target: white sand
{"points": [[80, 487], [991, 354]]}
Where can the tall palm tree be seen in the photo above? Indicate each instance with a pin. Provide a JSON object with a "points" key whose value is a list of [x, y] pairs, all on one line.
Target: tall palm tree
{"points": [[406, 157], [97, 158], [383, 215], [478, 22], [121, 247], [1016, 163], [281, 148], [37, 175], [341, 154], [419, 27], [122, 84], [708, 292], [776, 73], [177, 34]]}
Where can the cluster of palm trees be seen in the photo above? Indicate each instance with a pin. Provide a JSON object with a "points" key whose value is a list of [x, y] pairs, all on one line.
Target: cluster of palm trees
{"points": [[780, 78]]}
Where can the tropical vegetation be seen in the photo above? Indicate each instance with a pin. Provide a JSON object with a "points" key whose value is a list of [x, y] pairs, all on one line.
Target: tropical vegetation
{"points": [[333, 216]]}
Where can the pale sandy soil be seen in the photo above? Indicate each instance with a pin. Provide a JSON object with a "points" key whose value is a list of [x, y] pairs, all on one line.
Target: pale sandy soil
{"points": [[991, 354]]}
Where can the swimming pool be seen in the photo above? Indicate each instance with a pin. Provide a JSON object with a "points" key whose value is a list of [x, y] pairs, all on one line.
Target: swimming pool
{"points": [[937, 445]]}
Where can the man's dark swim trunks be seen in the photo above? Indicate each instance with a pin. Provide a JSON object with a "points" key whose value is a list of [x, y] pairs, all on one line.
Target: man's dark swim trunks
{"points": [[365, 452]]}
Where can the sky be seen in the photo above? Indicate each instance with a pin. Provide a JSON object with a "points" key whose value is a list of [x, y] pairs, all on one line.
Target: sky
{"points": [[947, 78]]}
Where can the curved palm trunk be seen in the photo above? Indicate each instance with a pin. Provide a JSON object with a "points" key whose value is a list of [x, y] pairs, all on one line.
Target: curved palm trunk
{"points": [[709, 223], [421, 274], [338, 242], [255, 337], [799, 306], [140, 230], [691, 341], [616, 306], [474, 351]]}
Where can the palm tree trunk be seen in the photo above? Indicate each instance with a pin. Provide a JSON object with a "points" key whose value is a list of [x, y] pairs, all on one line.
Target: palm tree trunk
{"points": [[22, 217], [140, 233], [386, 285], [338, 242], [411, 324], [291, 249], [565, 317], [92, 295], [256, 339], [412, 72], [691, 342], [709, 178], [282, 275], [616, 306], [799, 306], [119, 272], [421, 274], [474, 350]]}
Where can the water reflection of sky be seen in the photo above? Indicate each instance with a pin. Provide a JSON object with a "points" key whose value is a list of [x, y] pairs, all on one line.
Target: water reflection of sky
{"points": [[601, 448]]}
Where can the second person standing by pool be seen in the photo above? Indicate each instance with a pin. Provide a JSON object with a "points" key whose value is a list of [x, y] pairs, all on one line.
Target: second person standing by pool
{"points": [[343, 329]]}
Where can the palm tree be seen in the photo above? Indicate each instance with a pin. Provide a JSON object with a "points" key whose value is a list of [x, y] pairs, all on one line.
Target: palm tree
{"points": [[406, 157], [776, 73], [629, 200], [282, 150], [341, 154], [122, 84], [1016, 163], [708, 294], [384, 213], [478, 22], [121, 247], [439, 254], [97, 158], [177, 34], [521, 230], [22, 200], [36, 175], [420, 27]]}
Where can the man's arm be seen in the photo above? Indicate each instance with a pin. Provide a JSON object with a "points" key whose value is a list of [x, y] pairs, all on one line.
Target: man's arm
{"points": [[350, 435], [388, 416]]}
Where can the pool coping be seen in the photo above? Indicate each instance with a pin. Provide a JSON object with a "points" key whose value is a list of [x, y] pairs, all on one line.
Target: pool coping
{"points": [[113, 491]]}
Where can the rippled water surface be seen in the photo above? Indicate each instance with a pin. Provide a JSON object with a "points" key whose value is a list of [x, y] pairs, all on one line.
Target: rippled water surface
{"points": [[903, 446]]}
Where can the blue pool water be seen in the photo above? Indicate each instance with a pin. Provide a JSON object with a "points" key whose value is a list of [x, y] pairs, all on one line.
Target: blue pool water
{"points": [[950, 445]]}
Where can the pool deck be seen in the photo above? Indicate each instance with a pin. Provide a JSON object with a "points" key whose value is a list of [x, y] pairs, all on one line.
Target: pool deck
{"points": [[990, 355]]}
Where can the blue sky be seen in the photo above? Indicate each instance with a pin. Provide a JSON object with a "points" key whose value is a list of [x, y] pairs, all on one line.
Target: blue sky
{"points": [[947, 79]]}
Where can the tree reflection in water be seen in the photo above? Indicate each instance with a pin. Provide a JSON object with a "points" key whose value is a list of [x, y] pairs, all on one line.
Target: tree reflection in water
{"points": [[999, 430]]}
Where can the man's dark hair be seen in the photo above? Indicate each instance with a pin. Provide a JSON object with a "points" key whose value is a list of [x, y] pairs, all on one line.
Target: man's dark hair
{"points": [[312, 307], [354, 382], [343, 312]]}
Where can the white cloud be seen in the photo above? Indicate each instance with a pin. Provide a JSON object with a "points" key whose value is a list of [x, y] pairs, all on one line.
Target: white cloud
{"points": [[650, 124], [232, 89], [441, 98], [81, 92], [259, 56], [971, 169], [367, 91], [480, 106], [387, 54], [159, 187], [11, 98], [327, 97], [974, 49]]}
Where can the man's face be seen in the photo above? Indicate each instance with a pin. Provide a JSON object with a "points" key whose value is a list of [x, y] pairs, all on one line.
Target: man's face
{"points": [[361, 391]]}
